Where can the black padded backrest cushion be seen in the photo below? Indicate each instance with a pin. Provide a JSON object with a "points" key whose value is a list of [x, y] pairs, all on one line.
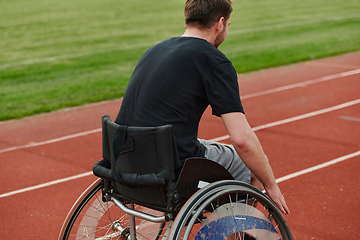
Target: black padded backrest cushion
{"points": [[145, 152]]}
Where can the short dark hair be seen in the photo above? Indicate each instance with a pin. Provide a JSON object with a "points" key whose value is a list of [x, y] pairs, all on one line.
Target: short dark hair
{"points": [[206, 12]]}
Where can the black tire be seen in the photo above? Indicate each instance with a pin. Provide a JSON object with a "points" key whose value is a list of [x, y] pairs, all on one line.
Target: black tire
{"points": [[91, 218], [230, 210]]}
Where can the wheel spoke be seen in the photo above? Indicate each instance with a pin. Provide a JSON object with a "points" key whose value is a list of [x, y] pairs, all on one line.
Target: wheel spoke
{"points": [[95, 219], [233, 209], [240, 213]]}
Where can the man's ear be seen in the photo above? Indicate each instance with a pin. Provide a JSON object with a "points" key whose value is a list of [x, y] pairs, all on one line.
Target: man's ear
{"points": [[220, 25]]}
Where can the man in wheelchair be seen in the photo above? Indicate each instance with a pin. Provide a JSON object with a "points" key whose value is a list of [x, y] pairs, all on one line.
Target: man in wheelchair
{"points": [[157, 180], [177, 79]]}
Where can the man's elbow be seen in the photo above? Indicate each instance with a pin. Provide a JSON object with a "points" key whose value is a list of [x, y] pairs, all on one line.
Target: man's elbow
{"points": [[241, 143]]}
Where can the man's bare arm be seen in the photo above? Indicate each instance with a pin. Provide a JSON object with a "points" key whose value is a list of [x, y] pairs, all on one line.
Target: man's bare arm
{"points": [[250, 151]]}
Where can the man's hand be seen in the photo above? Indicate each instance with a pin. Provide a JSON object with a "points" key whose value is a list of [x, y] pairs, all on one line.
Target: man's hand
{"points": [[276, 195]]}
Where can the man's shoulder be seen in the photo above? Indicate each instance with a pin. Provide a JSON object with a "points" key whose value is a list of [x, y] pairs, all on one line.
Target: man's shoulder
{"points": [[193, 43], [193, 48]]}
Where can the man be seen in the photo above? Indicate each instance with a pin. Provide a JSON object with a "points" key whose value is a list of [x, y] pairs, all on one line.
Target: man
{"points": [[177, 79]]}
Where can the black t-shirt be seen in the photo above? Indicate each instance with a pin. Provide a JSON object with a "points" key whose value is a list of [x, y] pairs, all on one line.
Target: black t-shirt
{"points": [[173, 83]]}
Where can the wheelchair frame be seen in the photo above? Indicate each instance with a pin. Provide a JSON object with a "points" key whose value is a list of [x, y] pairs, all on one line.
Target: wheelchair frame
{"points": [[223, 209]]}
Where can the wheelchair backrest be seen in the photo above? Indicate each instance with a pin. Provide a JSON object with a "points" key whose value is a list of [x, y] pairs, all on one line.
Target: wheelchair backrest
{"points": [[141, 163], [143, 159]]}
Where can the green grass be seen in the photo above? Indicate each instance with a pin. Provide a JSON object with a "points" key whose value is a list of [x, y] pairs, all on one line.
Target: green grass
{"points": [[56, 54]]}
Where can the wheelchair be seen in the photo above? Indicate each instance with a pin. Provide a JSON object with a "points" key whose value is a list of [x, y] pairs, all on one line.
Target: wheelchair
{"points": [[143, 192]]}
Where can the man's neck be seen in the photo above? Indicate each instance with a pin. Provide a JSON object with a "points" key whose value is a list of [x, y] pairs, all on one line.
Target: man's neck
{"points": [[198, 33]]}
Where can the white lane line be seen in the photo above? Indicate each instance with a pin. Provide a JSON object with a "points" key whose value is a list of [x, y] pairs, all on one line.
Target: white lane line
{"points": [[219, 139], [307, 115], [350, 118], [302, 84], [278, 180], [317, 167], [46, 184], [303, 116], [51, 140]]}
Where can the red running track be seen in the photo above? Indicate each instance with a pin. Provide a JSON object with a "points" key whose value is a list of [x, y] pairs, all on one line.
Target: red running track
{"points": [[38, 154]]}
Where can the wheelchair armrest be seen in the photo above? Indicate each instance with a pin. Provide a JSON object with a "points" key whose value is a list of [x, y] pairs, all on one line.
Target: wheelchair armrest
{"points": [[102, 169]]}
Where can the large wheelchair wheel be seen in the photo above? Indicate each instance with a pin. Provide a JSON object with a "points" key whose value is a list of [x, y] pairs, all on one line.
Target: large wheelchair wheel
{"points": [[91, 218], [230, 210]]}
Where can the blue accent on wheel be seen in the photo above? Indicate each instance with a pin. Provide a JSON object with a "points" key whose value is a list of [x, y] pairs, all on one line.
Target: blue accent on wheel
{"points": [[228, 225]]}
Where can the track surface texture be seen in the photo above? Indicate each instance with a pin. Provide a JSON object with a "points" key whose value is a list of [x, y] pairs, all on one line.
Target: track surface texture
{"points": [[306, 115]]}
